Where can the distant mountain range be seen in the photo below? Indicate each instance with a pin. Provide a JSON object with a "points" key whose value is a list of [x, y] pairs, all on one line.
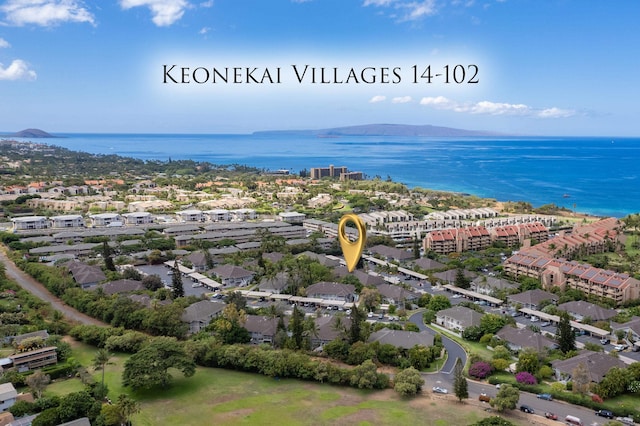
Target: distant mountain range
{"points": [[386, 130], [30, 133]]}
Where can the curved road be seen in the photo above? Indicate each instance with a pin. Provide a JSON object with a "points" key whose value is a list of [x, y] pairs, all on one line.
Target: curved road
{"points": [[454, 350], [37, 289]]}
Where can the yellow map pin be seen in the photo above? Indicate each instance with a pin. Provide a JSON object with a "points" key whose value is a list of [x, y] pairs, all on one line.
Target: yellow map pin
{"points": [[351, 250]]}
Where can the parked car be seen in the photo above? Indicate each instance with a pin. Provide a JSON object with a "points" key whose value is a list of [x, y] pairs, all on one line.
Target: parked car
{"points": [[604, 341], [551, 416], [626, 420], [438, 389], [535, 319], [484, 397], [456, 296], [620, 348], [545, 396], [573, 420], [526, 409], [545, 324], [604, 413]]}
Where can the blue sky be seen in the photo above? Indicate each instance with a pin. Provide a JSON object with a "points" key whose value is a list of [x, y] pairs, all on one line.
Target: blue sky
{"points": [[553, 67]]}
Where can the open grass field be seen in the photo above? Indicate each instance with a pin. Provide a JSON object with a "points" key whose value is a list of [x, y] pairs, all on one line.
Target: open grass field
{"points": [[223, 397]]}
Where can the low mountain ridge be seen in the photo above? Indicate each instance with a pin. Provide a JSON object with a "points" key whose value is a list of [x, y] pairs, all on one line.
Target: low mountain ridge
{"points": [[387, 130], [31, 133]]}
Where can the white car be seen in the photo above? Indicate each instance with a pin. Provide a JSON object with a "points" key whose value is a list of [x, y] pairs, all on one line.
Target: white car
{"points": [[438, 389], [456, 296]]}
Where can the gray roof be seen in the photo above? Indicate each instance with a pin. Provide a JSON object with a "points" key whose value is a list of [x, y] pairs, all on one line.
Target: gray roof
{"points": [[467, 317], [484, 281], [427, 264], [365, 278], [321, 258], [232, 271], [85, 274], [597, 363], [395, 292], [532, 297], [336, 289], [402, 339], [278, 282], [391, 252], [121, 286], [449, 276], [202, 311], [586, 309], [7, 391], [525, 338], [261, 324]]}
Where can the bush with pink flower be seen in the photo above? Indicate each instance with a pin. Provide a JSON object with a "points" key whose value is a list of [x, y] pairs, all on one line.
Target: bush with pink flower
{"points": [[480, 369], [526, 378]]}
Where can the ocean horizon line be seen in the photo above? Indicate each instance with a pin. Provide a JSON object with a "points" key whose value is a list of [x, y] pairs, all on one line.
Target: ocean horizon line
{"points": [[593, 175]]}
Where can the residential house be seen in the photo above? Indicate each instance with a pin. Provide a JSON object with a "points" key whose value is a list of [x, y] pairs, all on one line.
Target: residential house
{"points": [[332, 291], [67, 221], [198, 261], [487, 285], [517, 339], [395, 294], [85, 275], [25, 361], [449, 276], [240, 215], [532, 299], [121, 286], [365, 278], [428, 264], [217, 215], [596, 363], [137, 218], [391, 253], [27, 223], [581, 310], [292, 217], [200, 314], [261, 328], [233, 276], [106, 219], [193, 215], [320, 258], [631, 328], [16, 340], [8, 396], [276, 284], [402, 339], [458, 318], [329, 328]]}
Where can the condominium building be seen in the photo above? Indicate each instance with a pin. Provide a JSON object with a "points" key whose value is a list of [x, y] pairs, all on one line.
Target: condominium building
{"points": [[331, 171]]}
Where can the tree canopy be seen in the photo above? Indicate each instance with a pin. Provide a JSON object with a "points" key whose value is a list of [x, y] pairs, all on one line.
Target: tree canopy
{"points": [[149, 367]]}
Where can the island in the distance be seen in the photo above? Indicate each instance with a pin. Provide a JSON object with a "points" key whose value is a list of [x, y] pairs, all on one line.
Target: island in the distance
{"points": [[30, 133], [386, 130]]}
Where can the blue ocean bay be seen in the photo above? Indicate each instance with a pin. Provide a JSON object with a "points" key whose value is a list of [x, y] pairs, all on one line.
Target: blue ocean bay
{"points": [[595, 175]]}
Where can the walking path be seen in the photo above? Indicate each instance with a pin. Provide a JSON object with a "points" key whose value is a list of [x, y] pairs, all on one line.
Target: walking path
{"points": [[27, 282]]}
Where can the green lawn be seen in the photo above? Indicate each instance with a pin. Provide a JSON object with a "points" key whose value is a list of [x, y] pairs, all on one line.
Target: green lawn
{"points": [[224, 397]]}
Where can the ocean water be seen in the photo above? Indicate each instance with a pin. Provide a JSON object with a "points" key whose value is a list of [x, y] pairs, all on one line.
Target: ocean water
{"points": [[600, 176]]}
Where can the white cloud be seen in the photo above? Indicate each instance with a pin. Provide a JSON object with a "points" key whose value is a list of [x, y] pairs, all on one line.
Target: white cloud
{"points": [[495, 108], [4, 43], [377, 98], [413, 10], [204, 30], [556, 113], [401, 100], [45, 12], [18, 70], [208, 3], [165, 12]]}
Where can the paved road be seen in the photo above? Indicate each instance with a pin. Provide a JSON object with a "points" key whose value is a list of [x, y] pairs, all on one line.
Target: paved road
{"points": [[454, 350], [37, 289]]}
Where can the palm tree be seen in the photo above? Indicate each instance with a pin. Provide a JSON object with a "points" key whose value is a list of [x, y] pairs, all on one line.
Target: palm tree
{"points": [[100, 360], [127, 407]]}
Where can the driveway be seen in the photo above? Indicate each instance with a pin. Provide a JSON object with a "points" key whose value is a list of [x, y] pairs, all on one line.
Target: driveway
{"points": [[37, 289], [454, 350]]}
